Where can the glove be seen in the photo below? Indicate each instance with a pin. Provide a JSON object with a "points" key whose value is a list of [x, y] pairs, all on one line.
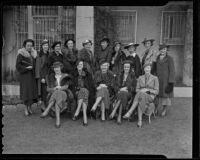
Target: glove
{"points": [[148, 92], [169, 88]]}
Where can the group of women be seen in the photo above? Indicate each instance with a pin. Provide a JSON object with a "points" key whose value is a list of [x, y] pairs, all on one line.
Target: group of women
{"points": [[107, 83]]}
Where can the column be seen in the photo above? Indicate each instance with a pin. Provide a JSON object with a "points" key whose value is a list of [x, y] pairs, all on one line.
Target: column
{"points": [[84, 25], [188, 50]]}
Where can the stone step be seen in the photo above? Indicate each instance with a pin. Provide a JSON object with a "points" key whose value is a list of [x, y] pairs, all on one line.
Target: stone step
{"points": [[178, 91]]}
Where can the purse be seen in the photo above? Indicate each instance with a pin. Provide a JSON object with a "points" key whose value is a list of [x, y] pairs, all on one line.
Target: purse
{"points": [[169, 88]]}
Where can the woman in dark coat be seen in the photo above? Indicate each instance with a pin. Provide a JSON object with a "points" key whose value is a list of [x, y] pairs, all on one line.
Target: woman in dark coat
{"points": [[131, 47], [105, 88], [59, 92], [166, 76], [70, 54], [85, 90], [86, 55], [41, 71], [149, 55], [25, 65], [118, 56], [126, 89], [104, 52]]}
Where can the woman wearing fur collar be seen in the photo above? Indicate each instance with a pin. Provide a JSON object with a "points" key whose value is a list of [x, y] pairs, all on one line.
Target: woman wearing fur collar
{"points": [[25, 65]]}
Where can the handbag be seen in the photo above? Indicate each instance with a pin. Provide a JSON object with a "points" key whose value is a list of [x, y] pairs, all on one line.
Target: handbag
{"points": [[169, 88]]}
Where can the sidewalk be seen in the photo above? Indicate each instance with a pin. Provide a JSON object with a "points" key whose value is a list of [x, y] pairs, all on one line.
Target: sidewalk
{"points": [[171, 136]]}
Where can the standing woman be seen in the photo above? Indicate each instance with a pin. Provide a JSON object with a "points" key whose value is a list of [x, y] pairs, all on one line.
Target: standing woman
{"points": [[86, 55], [104, 82], [41, 71], [25, 65], [149, 55], [70, 54], [104, 53], [126, 89], [132, 55], [118, 56], [166, 76], [147, 88], [85, 89]]}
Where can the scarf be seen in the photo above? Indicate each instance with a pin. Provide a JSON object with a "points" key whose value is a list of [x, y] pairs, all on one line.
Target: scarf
{"points": [[25, 53]]}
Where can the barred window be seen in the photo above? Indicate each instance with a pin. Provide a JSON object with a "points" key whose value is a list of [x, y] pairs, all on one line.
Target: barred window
{"points": [[173, 25], [126, 23]]}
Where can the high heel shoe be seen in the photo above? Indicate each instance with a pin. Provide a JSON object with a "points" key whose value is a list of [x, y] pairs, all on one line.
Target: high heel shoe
{"points": [[93, 114], [163, 114], [43, 115], [74, 118], [57, 125], [126, 116], [26, 113], [29, 110], [85, 124], [139, 125]]}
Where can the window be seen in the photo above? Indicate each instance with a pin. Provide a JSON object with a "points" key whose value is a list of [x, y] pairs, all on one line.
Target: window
{"points": [[126, 22], [20, 24], [173, 25]]}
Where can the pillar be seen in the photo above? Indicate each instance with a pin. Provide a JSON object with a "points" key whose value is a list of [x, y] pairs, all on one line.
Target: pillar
{"points": [[84, 25], [188, 50]]}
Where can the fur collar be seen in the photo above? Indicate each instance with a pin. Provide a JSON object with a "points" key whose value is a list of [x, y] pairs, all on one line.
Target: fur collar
{"points": [[25, 53]]}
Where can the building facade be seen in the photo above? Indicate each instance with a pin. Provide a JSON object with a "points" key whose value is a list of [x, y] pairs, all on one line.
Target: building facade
{"points": [[171, 24]]}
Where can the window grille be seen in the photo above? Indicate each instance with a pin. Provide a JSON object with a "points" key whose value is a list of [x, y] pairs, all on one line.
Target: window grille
{"points": [[173, 25], [126, 23]]}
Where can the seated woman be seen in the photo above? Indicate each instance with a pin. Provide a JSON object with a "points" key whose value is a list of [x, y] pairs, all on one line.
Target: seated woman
{"points": [[147, 89], [57, 86], [84, 87], [126, 88], [104, 82]]}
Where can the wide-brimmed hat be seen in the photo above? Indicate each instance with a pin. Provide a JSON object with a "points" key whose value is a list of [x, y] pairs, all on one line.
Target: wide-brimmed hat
{"points": [[127, 62], [57, 64], [102, 61], [131, 44], [87, 41], [148, 39], [55, 43], [105, 39], [70, 39], [161, 46], [147, 64]]}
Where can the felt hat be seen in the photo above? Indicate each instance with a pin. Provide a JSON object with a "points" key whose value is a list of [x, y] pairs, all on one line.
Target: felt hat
{"points": [[28, 40], [45, 41], [102, 61], [147, 64], [55, 43], [161, 46], [70, 39], [105, 39], [57, 64], [87, 41], [127, 62], [131, 44], [148, 39]]}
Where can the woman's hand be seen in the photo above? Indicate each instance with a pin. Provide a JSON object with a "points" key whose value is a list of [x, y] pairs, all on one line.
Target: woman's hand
{"points": [[102, 85], [29, 67], [144, 90], [124, 89], [58, 87], [43, 80]]}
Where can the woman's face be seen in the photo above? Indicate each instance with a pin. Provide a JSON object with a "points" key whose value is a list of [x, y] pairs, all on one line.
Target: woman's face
{"points": [[147, 44], [147, 69], [80, 65], [70, 44], [57, 48], [117, 47], [45, 47], [163, 51], [131, 49], [127, 67], [104, 67], [88, 46], [29, 46], [104, 44], [57, 70]]}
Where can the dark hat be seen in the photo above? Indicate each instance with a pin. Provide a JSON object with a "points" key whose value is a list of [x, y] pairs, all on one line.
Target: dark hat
{"points": [[28, 40], [161, 46], [115, 43], [55, 43], [87, 41], [105, 39], [70, 39], [57, 64], [147, 64], [131, 44], [127, 62], [146, 40], [102, 61], [45, 41]]}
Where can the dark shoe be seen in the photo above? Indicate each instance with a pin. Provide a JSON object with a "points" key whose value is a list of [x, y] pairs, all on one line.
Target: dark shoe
{"points": [[126, 116], [103, 120], [57, 126], [119, 122], [85, 124], [139, 125], [93, 114], [74, 118]]}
